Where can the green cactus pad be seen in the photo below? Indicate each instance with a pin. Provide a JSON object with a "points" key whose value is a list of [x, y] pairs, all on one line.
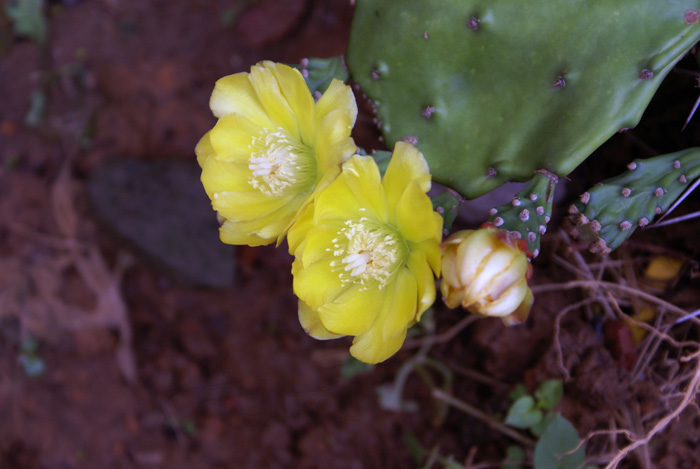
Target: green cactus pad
{"points": [[607, 214], [493, 90], [529, 211]]}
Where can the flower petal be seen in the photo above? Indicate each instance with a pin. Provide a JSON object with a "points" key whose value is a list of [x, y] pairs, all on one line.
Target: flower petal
{"points": [[296, 236], [312, 324], [297, 94], [507, 303], [414, 215], [353, 311], [204, 149], [333, 142], [235, 94], [317, 284], [407, 164], [493, 270], [233, 232], [431, 248], [270, 95], [231, 137], [219, 176], [418, 265], [319, 243], [471, 252], [372, 347], [251, 205], [403, 295], [356, 192], [337, 96], [339, 202]]}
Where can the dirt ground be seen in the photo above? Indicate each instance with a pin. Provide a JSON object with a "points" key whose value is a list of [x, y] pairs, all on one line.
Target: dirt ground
{"points": [[108, 360]]}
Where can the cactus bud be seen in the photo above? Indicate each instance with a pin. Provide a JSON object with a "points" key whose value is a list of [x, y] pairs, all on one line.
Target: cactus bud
{"points": [[486, 271]]}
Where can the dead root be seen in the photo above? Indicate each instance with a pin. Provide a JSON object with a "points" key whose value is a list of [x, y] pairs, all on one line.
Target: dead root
{"points": [[613, 286]]}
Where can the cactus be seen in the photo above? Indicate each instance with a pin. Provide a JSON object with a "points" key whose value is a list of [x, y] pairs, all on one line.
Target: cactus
{"points": [[607, 214], [319, 73], [529, 211], [493, 91]]}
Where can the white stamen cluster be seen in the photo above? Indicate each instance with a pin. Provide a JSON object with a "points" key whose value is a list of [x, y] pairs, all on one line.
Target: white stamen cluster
{"points": [[367, 252], [276, 162]]}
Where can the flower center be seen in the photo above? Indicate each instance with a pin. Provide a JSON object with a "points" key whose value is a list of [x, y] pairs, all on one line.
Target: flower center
{"points": [[368, 251], [278, 163]]}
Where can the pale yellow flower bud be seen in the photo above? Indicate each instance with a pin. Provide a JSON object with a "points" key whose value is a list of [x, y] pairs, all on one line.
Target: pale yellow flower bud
{"points": [[486, 273]]}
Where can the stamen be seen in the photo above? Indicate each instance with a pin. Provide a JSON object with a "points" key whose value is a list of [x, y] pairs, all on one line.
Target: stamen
{"points": [[371, 253], [278, 163]]}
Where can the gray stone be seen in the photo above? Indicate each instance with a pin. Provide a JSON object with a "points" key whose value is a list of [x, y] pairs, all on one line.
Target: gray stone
{"points": [[160, 207]]}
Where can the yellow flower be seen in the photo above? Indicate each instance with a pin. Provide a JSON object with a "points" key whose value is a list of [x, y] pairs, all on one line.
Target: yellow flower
{"points": [[365, 254], [485, 271], [271, 149]]}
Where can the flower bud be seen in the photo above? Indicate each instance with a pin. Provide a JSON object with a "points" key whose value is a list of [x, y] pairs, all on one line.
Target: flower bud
{"points": [[485, 271]]}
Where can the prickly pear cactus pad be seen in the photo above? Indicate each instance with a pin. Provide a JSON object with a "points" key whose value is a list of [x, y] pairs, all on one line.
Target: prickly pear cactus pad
{"points": [[491, 91], [607, 214]]}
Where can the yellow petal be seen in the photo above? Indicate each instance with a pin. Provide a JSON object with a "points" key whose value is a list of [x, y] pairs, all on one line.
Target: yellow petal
{"points": [[337, 96], [204, 149], [414, 214], [253, 205], [235, 94], [319, 243], [361, 176], [407, 164], [372, 347], [297, 94], [403, 295], [296, 236], [231, 137], [431, 248], [339, 202], [353, 311], [220, 176], [333, 144], [318, 284], [232, 232], [425, 281], [268, 90], [312, 324]]}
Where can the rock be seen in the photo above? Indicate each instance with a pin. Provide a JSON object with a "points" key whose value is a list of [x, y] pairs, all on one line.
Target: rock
{"points": [[160, 207]]}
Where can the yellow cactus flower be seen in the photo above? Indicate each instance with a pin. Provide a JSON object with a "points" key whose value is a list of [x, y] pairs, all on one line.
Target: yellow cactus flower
{"points": [[366, 252], [271, 149], [486, 272]]}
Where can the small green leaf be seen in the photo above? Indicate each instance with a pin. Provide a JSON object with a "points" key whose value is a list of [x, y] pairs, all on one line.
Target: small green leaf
{"points": [[515, 456], [551, 450], [28, 19], [540, 427], [519, 391], [549, 393], [523, 413], [352, 367]]}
